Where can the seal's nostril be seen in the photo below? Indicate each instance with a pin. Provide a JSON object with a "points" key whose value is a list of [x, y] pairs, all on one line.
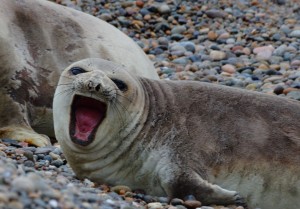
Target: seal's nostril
{"points": [[97, 87]]}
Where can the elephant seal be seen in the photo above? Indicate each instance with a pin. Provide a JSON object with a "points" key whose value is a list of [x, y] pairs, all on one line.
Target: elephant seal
{"points": [[178, 138], [38, 39]]}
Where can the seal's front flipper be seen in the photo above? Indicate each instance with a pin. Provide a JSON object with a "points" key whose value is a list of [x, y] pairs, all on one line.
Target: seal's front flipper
{"points": [[190, 183], [24, 134]]}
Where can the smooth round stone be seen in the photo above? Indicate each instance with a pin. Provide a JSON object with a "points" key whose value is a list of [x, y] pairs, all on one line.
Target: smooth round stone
{"points": [[263, 49], [195, 58], [178, 29], [192, 203], [157, 51], [295, 63], [264, 52], [247, 71], [279, 51], [29, 183], [189, 46], [144, 11], [29, 155], [189, 197], [295, 34], [163, 41], [217, 55], [149, 199], [251, 87], [54, 156], [57, 163], [178, 53], [286, 29], [212, 35], [181, 61], [276, 37], [275, 59], [154, 205], [177, 37], [2, 154], [43, 150], [228, 68], [176, 202], [230, 41], [162, 26], [296, 84], [215, 13], [120, 188], [29, 163], [215, 47], [180, 207], [177, 47], [163, 9], [224, 36], [106, 17], [166, 70], [278, 90], [62, 180], [203, 31], [163, 199], [294, 95], [287, 56]]}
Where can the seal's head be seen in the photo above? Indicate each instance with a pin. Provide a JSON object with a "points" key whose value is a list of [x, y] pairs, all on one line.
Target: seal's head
{"points": [[94, 104]]}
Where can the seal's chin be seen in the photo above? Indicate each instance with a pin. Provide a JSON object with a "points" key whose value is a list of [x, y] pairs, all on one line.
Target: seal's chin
{"points": [[86, 116]]}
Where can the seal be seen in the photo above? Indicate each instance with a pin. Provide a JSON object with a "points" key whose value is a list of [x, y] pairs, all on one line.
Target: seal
{"points": [[178, 138], [38, 39]]}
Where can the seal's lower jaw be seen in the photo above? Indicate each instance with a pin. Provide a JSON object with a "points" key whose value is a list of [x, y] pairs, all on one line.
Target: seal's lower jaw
{"points": [[86, 116]]}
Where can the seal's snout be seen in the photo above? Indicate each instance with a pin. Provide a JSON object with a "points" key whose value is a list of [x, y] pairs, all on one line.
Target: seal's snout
{"points": [[86, 116], [92, 86]]}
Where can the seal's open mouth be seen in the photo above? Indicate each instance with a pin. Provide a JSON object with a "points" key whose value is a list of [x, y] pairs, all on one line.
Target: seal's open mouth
{"points": [[86, 116]]}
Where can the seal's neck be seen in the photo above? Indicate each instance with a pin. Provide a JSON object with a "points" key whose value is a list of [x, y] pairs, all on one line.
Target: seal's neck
{"points": [[160, 101]]}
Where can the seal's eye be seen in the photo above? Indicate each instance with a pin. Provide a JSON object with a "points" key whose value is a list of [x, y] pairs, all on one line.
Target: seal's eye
{"points": [[77, 70], [120, 84]]}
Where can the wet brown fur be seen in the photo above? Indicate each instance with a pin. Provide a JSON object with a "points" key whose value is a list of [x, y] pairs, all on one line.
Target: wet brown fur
{"points": [[218, 131]]}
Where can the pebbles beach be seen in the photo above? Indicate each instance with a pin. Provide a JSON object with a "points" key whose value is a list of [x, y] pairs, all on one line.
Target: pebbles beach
{"points": [[250, 44]]}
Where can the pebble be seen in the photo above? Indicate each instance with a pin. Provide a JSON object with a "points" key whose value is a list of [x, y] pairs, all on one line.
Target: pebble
{"points": [[176, 202], [278, 89], [228, 68], [192, 203], [294, 95], [217, 55], [164, 9], [154, 205], [295, 34], [264, 52], [212, 35], [121, 189], [178, 29], [215, 13], [29, 183]]}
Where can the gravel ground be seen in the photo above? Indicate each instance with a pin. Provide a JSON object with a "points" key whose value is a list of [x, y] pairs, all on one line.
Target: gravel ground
{"points": [[241, 43]]}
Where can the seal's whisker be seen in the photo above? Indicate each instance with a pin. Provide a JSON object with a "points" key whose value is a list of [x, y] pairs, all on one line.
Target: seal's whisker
{"points": [[64, 84], [123, 97], [68, 91], [121, 116]]}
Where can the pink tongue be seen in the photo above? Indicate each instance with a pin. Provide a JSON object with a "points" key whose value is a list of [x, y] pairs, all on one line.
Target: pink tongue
{"points": [[86, 121]]}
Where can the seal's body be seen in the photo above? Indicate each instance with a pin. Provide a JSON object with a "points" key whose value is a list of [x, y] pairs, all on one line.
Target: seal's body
{"points": [[38, 39], [179, 138]]}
